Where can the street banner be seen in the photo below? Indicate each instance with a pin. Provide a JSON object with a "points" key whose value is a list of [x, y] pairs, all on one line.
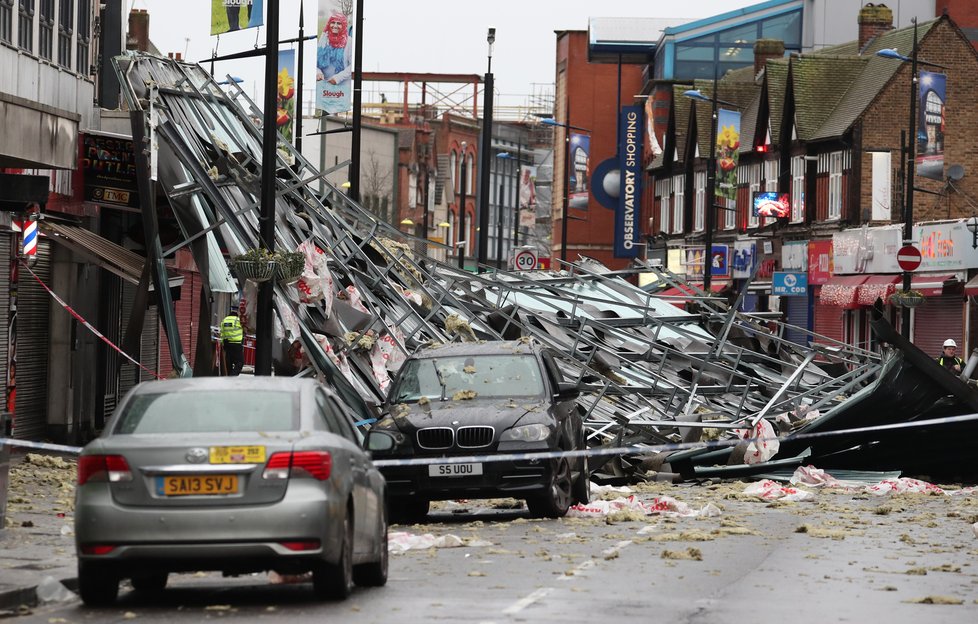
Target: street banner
{"points": [[230, 15], [629, 212], [334, 57], [528, 196], [932, 97], [654, 146], [727, 154], [578, 167], [286, 93]]}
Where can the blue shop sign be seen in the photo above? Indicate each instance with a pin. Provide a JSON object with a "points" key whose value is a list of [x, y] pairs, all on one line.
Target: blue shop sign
{"points": [[789, 284]]}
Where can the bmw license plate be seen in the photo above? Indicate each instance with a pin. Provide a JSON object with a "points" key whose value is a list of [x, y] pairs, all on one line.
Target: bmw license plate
{"points": [[196, 485], [454, 470]]}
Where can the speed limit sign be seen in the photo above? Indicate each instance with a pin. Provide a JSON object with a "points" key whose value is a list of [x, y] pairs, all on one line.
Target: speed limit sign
{"points": [[525, 259]]}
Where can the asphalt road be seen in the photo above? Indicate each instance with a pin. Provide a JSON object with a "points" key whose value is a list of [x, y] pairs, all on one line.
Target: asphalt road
{"points": [[859, 558]]}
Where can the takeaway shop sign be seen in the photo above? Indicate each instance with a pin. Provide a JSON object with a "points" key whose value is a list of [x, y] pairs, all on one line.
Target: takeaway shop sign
{"points": [[945, 246]]}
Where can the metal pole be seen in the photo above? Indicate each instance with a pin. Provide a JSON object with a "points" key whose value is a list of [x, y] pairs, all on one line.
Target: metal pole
{"points": [[357, 99], [460, 248], [908, 195], [485, 164], [566, 174], [269, 160], [710, 199], [516, 192], [298, 80]]}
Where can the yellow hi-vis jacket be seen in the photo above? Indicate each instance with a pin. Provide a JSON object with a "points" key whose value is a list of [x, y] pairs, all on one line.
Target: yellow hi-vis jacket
{"points": [[231, 329]]}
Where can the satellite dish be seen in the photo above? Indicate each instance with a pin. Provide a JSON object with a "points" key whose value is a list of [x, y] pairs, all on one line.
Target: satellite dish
{"points": [[955, 172]]}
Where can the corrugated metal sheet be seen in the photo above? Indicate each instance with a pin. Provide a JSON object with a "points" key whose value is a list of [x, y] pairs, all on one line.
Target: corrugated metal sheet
{"points": [[938, 319], [6, 241], [33, 329]]}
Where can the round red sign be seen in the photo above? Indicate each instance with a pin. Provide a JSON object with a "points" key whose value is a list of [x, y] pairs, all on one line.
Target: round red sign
{"points": [[908, 258]]}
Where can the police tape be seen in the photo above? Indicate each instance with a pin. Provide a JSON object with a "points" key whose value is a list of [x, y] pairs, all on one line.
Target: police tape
{"points": [[603, 451]]}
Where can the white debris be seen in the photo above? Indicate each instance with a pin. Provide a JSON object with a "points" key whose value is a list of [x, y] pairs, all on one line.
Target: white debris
{"points": [[402, 541], [770, 490], [50, 590]]}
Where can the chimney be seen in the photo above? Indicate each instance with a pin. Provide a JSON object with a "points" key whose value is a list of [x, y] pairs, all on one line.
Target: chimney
{"points": [[765, 49], [874, 20], [138, 35]]}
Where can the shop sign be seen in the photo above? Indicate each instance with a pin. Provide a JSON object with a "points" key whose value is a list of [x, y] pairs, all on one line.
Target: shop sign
{"points": [[867, 250], [742, 262], [789, 283], [945, 246], [108, 165], [820, 263], [794, 256]]}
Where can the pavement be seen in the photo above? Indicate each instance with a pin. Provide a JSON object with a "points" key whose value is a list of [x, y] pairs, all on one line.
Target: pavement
{"points": [[37, 543]]}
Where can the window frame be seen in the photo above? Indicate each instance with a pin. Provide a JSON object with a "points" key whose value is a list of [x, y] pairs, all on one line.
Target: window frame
{"points": [[797, 189], [678, 197], [835, 186], [699, 201]]}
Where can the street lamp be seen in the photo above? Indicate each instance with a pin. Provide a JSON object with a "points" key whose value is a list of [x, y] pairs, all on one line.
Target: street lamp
{"points": [[711, 181], [972, 226], [910, 156], [483, 249], [566, 173]]}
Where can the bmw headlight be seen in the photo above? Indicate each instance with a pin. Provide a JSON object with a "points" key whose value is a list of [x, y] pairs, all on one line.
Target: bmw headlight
{"points": [[526, 433]]}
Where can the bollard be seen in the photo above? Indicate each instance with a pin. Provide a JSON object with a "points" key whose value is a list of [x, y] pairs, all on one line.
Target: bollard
{"points": [[5, 429]]}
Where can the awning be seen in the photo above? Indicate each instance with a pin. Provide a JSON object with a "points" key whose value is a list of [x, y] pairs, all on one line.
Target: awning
{"points": [[877, 286], [971, 288], [101, 251], [841, 290], [932, 284]]}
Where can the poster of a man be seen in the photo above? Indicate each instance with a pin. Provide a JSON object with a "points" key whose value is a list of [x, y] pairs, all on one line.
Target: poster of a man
{"points": [[333, 59]]}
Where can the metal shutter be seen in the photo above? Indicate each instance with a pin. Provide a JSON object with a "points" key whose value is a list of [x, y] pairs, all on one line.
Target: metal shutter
{"points": [[33, 331], [6, 241], [749, 303], [111, 307], [938, 319], [149, 352], [829, 321], [127, 371], [797, 311]]}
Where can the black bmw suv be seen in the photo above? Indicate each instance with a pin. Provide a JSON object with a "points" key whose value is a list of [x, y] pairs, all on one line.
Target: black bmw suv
{"points": [[474, 399]]}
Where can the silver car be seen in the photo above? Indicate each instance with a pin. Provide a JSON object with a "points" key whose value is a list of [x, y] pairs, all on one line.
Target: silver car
{"points": [[236, 474]]}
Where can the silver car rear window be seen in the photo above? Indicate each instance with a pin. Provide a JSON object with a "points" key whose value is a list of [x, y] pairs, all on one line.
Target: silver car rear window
{"points": [[204, 411]]}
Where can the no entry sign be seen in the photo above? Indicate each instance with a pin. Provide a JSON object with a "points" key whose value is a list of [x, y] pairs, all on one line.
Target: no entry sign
{"points": [[908, 258]]}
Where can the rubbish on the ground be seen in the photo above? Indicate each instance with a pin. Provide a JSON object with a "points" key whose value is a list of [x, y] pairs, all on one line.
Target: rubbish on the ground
{"points": [[662, 505], [936, 600], [770, 490], [402, 541], [50, 590]]}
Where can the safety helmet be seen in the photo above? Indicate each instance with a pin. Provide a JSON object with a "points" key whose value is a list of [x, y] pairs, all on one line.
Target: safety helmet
{"points": [[950, 343]]}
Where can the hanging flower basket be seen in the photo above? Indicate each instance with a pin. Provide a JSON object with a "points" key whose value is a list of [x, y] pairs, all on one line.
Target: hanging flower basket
{"points": [[257, 265], [908, 298], [289, 266]]}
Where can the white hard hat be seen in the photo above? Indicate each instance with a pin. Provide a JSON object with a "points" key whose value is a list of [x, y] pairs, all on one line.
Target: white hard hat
{"points": [[950, 343]]}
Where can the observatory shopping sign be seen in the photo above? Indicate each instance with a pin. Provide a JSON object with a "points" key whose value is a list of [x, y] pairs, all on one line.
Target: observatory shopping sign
{"points": [[629, 213]]}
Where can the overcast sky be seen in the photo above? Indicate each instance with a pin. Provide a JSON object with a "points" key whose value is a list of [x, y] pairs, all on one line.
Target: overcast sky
{"points": [[446, 36]]}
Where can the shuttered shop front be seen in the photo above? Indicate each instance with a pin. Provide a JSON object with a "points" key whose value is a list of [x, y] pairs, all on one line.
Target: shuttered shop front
{"points": [[796, 315], [829, 321], [6, 242], [938, 319], [33, 331]]}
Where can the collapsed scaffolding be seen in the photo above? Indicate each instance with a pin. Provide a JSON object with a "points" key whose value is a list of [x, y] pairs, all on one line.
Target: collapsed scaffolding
{"points": [[370, 295]]}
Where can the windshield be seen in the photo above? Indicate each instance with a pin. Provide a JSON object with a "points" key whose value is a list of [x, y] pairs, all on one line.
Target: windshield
{"points": [[474, 376], [209, 412]]}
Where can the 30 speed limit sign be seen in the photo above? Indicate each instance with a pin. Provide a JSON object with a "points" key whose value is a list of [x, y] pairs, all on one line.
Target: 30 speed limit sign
{"points": [[525, 259]]}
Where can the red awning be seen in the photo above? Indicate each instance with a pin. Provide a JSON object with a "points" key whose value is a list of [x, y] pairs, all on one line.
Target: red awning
{"points": [[841, 290], [932, 284], [877, 286], [971, 288]]}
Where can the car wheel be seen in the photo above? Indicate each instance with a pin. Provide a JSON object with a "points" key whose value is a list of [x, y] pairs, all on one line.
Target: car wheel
{"points": [[405, 510], [555, 502], [582, 487], [149, 582], [374, 574], [334, 581], [97, 585]]}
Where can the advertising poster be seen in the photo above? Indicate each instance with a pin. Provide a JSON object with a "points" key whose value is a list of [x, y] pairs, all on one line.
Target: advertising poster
{"points": [[334, 57], [231, 15], [528, 196], [728, 142], [286, 93], [932, 94], [629, 212], [108, 165], [654, 147], [578, 161], [719, 261]]}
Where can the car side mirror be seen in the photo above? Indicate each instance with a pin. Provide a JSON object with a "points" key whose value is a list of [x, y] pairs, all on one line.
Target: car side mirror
{"points": [[568, 390], [377, 440]]}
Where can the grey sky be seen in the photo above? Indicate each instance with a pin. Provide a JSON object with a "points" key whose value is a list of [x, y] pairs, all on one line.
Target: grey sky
{"points": [[446, 36]]}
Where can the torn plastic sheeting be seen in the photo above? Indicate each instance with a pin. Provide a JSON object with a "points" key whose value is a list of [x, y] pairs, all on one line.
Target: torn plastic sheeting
{"points": [[402, 541], [770, 490], [663, 505]]}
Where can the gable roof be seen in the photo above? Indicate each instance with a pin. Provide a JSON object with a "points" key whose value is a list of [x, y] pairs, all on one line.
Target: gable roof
{"points": [[820, 83]]}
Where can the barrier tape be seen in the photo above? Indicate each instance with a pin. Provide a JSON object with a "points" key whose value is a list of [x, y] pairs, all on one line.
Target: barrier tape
{"points": [[600, 451], [88, 325]]}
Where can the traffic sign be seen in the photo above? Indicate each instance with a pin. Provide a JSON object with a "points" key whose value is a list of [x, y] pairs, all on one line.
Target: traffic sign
{"points": [[908, 258], [525, 259]]}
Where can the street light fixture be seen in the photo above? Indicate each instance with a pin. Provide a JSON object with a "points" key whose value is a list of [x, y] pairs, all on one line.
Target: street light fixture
{"points": [[566, 173], [483, 243], [972, 226], [910, 156]]}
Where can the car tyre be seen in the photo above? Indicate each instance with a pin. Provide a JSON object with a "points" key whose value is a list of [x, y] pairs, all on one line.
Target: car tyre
{"points": [[374, 574], [334, 581], [155, 582], [405, 510], [97, 585], [582, 487], [556, 500]]}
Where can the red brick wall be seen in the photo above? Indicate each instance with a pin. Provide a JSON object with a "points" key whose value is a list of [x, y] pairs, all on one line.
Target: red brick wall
{"points": [[889, 114], [964, 13]]}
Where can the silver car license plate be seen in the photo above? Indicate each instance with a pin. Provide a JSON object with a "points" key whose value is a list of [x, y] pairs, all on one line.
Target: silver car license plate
{"points": [[454, 470]]}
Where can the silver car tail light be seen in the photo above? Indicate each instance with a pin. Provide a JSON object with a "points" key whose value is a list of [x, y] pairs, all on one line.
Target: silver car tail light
{"points": [[95, 468], [299, 464]]}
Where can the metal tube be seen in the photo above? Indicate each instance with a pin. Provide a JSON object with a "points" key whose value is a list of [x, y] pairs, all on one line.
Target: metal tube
{"points": [[910, 158], [357, 114], [484, 166]]}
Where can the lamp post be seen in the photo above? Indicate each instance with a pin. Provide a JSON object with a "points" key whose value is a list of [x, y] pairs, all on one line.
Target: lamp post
{"points": [[564, 217], [459, 241], [484, 167], [910, 156]]}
